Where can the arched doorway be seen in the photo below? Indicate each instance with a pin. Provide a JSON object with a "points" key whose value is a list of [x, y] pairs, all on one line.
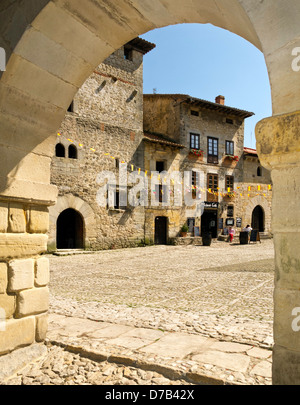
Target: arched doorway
{"points": [[258, 219], [70, 229]]}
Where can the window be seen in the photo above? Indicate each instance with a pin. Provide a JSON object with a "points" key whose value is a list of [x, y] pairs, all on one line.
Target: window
{"points": [[213, 186], [195, 141], [213, 150], [60, 150], [259, 171], [117, 200], [230, 211], [191, 224], [127, 53], [194, 184], [160, 166], [229, 148], [229, 121], [72, 152], [194, 178], [195, 113], [120, 200], [229, 183], [161, 193]]}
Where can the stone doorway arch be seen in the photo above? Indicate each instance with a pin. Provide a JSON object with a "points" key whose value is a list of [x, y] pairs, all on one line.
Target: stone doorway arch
{"points": [[258, 219], [70, 204], [42, 42], [259, 201], [70, 230]]}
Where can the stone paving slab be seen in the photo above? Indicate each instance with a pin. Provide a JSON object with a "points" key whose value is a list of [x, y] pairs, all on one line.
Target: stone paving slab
{"points": [[197, 358]]}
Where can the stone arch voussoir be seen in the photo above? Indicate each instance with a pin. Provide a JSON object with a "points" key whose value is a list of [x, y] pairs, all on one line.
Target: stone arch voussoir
{"points": [[263, 202]]}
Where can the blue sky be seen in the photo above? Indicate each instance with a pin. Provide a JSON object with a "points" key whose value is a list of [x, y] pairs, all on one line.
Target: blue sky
{"points": [[205, 61]]}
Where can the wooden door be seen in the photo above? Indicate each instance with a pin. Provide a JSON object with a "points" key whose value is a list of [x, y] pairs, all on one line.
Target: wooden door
{"points": [[161, 231]]}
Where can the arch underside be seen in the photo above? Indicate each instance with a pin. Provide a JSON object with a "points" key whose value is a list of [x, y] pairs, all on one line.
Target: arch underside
{"points": [[59, 43]]}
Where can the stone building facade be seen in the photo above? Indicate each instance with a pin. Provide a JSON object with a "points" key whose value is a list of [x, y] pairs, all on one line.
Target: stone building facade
{"points": [[102, 129], [111, 125], [234, 188]]}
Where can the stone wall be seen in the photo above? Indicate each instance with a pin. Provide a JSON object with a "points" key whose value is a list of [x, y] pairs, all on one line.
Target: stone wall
{"points": [[114, 92], [106, 128], [24, 275]]}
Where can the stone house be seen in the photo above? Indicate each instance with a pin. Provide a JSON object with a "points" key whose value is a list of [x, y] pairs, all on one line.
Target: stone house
{"points": [[208, 142], [102, 129]]}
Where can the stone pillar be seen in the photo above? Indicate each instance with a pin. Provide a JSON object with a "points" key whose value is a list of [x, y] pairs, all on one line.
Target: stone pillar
{"points": [[24, 274], [278, 148]]}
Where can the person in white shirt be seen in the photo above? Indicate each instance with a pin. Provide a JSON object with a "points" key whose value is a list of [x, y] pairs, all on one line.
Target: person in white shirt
{"points": [[247, 229]]}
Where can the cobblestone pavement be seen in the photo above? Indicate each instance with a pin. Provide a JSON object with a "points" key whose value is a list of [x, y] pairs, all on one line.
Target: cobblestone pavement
{"points": [[61, 367], [224, 293]]}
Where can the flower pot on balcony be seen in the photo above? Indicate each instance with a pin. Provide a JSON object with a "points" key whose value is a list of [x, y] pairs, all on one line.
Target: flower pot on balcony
{"points": [[230, 160], [196, 155], [229, 197]]}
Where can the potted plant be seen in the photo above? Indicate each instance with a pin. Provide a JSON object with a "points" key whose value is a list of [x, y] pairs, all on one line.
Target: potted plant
{"points": [[197, 152], [206, 238], [230, 195], [232, 158], [184, 230]]}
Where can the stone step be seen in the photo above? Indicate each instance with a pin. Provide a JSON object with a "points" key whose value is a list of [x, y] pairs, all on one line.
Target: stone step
{"points": [[70, 252]]}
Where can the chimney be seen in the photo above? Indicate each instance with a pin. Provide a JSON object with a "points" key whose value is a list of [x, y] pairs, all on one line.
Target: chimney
{"points": [[220, 100]]}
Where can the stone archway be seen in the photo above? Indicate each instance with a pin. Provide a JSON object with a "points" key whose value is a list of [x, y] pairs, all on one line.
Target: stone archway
{"points": [[259, 201], [258, 219], [68, 202], [44, 40], [70, 230]]}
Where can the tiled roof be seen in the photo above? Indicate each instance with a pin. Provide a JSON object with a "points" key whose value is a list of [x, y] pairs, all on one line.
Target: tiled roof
{"points": [[250, 151], [208, 105], [157, 138], [141, 44]]}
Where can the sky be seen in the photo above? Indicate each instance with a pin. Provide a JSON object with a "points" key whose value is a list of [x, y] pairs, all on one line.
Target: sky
{"points": [[204, 61]]}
